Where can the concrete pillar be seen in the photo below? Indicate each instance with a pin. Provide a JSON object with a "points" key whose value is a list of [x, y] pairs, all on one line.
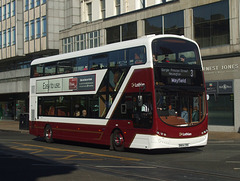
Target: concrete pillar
{"points": [[188, 23], [140, 28], [234, 21]]}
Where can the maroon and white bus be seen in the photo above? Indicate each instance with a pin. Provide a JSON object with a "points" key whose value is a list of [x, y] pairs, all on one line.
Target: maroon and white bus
{"points": [[147, 93]]}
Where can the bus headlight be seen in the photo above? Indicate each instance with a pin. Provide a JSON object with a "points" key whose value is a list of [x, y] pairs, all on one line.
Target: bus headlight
{"points": [[205, 132], [161, 133]]}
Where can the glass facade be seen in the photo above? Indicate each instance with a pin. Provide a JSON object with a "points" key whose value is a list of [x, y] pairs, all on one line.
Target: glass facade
{"points": [[113, 34], [153, 25], [211, 24], [122, 32], [221, 109], [173, 24], [129, 31]]}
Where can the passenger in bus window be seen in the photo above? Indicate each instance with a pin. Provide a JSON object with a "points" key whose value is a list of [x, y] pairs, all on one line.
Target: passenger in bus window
{"points": [[171, 111], [184, 114], [85, 68], [51, 111], [137, 59], [84, 113], [78, 114], [166, 59], [195, 114], [155, 60], [183, 59]]}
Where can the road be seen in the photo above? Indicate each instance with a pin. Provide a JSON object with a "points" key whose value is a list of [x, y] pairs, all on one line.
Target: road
{"points": [[25, 157]]}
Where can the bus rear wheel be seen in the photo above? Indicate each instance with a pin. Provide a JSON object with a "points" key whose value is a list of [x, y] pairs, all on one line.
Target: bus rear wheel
{"points": [[48, 134], [118, 140]]}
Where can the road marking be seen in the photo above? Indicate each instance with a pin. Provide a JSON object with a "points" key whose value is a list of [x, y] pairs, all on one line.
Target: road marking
{"points": [[236, 168], [24, 149], [124, 167], [50, 165], [80, 152], [232, 161]]}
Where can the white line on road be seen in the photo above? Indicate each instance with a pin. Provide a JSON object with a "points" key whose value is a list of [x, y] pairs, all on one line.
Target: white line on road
{"points": [[232, 161], [124, 167]]}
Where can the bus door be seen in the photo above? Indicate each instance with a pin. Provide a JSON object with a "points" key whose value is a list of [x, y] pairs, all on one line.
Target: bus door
{"points": [[142, 111], [136, 109]]}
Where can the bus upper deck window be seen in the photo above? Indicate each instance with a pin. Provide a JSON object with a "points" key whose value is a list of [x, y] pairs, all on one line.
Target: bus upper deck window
{"points": [[137, 55], [50, 69], [37, 71]]}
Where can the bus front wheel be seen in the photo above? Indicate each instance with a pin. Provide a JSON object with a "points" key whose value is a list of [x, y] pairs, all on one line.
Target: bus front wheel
{"points": [[118, 140], [48, 134]]}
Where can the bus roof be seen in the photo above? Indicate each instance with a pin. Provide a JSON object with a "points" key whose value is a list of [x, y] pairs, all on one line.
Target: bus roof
{"points": [[110, 47]]}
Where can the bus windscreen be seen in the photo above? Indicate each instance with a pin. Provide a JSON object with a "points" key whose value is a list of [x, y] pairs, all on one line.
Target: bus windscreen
{"points": [[175, 51]]}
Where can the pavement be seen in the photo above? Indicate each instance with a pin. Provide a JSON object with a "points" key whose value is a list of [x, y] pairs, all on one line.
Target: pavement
{"points": [[10, 125]]}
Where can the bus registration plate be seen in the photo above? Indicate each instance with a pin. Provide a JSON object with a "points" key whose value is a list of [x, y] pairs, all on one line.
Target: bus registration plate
{"points": [[183, 145]]}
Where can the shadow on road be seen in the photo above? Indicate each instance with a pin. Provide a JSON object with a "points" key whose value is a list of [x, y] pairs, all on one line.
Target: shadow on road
{"points": [[19, 165], [130, 150]]}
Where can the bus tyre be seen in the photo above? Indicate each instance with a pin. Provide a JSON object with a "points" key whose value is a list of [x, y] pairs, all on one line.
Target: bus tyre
{"points": [[118, 140], [48, 134]]}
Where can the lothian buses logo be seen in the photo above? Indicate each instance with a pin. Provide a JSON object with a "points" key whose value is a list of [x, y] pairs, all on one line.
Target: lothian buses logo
{"points": [[137, 85]]}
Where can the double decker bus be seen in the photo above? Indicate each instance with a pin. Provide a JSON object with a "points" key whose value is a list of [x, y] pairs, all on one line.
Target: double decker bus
{"points": [[147, 93]]}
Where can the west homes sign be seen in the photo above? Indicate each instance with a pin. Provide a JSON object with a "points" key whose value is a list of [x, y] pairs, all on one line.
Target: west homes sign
{"points": [[79, 83]]}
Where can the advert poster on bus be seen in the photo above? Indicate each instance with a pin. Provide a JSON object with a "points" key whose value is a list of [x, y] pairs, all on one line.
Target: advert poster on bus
{"points": [[79, 83]]}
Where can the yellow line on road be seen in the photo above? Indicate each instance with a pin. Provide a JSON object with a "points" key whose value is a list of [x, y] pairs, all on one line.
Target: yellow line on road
{"points": [[68, 157], [80, 152]]}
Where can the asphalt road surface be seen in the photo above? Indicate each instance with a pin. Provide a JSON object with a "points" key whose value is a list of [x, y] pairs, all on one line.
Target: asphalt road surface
{"points": [[25, 157]]}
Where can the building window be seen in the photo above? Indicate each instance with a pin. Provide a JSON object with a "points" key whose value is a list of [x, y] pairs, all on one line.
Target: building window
{"points": [[80, 42], [129, 31], [9, 37], [26, 5], [37, 3], [13, 8], [4, 38], [0, 39], [117, 7], [89, 10], [38, 28], [26, 31], [8, 10], [32, 29], [13, 36], [0, 13], [122, 33], [93, 39], [4, 12], [174, 23], [44, 26], [43, 1], [67, 45], [32, 4], [103, 10], [154, 25], [211, 24], [113, 34]]}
